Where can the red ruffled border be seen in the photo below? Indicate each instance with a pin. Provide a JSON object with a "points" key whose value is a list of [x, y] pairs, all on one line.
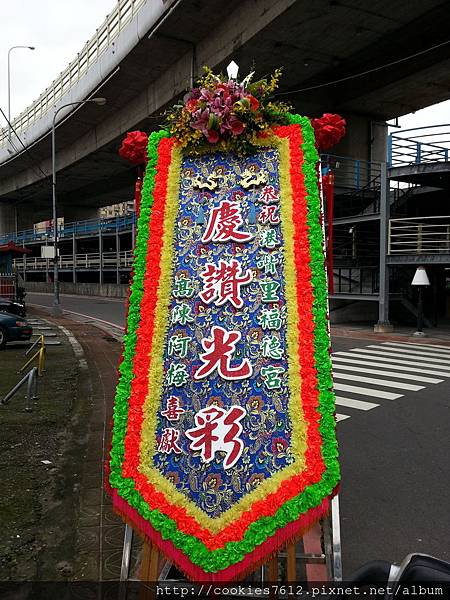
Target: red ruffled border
{"points": [[315, 466]]}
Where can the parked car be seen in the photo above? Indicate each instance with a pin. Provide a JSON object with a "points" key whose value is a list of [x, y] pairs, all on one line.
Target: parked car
{"points": [[13, 307], [13, 329]]}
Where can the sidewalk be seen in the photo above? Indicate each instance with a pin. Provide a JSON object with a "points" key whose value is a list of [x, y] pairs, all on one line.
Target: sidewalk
{"points": [[62, 524]]}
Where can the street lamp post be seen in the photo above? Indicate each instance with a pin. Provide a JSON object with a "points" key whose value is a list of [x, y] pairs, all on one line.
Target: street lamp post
{"points": [[56, 310], [420, 280], [9, 85]]}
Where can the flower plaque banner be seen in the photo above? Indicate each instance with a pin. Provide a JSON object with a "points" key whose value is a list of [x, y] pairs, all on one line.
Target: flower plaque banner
{"points": [[224, 443]]}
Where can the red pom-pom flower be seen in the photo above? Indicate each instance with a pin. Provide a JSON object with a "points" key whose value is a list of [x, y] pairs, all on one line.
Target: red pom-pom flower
{"points": [[134, 147], [329, 130]]}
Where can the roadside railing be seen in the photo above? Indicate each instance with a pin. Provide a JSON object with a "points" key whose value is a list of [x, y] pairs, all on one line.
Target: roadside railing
{"points": [[419, 235], [419, 145], [39, 354], [8, 285], [30, 380], [114, 23], [95, 260]]}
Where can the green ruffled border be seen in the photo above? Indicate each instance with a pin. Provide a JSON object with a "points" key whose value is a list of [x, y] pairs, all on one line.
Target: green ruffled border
{"points": [[233, 552]]}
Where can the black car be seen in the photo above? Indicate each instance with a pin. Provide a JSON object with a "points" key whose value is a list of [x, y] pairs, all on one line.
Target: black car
{"points": [[12, 306], [13, 329]]}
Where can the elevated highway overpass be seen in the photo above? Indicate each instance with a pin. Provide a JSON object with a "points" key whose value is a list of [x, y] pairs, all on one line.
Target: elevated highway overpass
{"points": [[146, 53]]}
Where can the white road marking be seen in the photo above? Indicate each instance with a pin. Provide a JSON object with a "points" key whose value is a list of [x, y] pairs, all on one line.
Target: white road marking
{"points": [[358, 404], [408, 356], [340, 417], [405, 353], [443, 369], [340, 387], [337, 365], [431, 347], [385, 383]]}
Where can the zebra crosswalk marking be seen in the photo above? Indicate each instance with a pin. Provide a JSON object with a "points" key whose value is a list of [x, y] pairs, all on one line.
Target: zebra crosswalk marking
{"points": [[357, 404], [341, 387], [340, 417], [371, 363], [391, 361], [383, 382], [351, 367], [423, 359], [405, 353], [443, 372], [431, 348]]}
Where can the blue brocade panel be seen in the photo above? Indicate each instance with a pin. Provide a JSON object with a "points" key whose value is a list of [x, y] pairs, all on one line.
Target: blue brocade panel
{"points": [[266, 428]]}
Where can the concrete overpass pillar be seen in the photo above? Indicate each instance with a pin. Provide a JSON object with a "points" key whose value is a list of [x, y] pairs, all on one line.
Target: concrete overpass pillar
{"points": [[365, 138], [7, 218]]}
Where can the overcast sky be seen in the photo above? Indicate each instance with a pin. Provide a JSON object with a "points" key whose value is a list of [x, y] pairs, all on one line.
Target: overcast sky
{"points": [[59, 29]]}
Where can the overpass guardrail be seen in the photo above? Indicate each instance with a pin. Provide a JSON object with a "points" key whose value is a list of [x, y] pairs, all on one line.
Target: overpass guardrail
{"points": [[119, 17], [419, 145], [68, 230]]}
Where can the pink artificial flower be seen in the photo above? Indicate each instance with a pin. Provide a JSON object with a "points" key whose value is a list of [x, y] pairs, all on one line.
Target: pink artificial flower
{"points": [[212, 136]]}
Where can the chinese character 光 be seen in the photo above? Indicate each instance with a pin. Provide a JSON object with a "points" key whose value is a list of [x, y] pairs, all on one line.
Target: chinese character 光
{"points": [[271, 347], [272, 376], [181, 313], [269, 239], [173, 409], [224, 283], [177, 374], [268, 195], [269, 215], [178, 346], [270, 318], [223, 224], [268, 262], [219, 350], [183, 287], [217, 429], [269, 289], [169, 441]]}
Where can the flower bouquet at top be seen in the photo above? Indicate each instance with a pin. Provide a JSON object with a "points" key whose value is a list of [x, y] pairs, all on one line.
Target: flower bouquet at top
{"points": [[226, 113]]}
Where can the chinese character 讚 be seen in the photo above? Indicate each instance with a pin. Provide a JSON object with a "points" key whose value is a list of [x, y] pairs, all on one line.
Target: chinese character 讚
{"points": [[269, 289], [271, 347], [224, 223], [181, 313], [173, 409], [217, 429], [223, 282], [269, 215], [178, 345], [272, 376], [219, 350], [169, 441]]}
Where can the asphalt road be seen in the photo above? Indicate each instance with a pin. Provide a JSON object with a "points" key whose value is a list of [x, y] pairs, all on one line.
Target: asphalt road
{"points": [[395, 492], [110, 311]]}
